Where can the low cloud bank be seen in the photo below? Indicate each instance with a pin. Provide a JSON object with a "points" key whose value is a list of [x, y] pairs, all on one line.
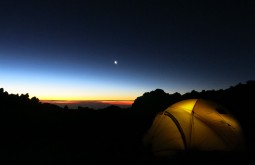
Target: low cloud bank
{"points": [[95, 104]]}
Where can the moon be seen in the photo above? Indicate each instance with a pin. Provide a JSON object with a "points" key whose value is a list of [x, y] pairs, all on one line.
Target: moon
{"points": [[115, 62]]}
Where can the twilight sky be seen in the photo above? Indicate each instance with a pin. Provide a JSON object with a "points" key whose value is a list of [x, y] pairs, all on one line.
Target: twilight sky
{"points": [[65, 50]]}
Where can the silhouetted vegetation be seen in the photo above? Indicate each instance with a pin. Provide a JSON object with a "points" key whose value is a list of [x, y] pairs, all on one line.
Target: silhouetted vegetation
{"points": [[43, 133]]}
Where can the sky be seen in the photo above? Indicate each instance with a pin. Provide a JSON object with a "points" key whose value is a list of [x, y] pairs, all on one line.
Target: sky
{"points": [[66, 50]]}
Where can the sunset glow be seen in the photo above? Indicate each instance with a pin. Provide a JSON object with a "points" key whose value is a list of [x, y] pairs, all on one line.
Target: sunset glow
{"points": [[90, 103], [123, 102], [82, 51]]}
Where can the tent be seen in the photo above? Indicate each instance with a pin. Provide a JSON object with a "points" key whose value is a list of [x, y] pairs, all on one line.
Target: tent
{"points": [[194, 125]]}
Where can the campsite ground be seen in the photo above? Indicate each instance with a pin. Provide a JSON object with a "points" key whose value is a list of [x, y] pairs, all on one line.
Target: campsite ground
{"points": [[201, 159], [94, 137]]}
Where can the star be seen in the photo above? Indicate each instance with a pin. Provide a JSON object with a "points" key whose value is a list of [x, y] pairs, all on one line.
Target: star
{"points": [[115, 62]]}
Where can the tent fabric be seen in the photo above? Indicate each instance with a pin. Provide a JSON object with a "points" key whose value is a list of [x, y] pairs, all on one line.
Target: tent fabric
{"points": [[194, 124]]}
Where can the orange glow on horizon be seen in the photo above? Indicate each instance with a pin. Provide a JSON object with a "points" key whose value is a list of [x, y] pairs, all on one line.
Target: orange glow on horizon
{"points": [[112, 102], [122, 102], [109, 98]]}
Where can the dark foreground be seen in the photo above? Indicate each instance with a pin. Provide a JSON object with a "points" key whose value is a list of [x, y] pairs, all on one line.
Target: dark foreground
{"points": [[53, 157], [91, 137]]}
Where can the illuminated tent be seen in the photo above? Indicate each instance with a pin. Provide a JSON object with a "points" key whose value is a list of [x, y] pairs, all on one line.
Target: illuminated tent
{"points": [[194, 125]]}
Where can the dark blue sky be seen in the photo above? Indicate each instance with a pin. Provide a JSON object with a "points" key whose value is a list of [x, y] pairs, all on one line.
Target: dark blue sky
{"points": [[66, 49]]}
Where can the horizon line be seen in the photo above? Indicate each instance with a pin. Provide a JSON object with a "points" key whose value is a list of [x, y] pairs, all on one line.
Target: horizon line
{"points": [[84, 100], [89, 102]]}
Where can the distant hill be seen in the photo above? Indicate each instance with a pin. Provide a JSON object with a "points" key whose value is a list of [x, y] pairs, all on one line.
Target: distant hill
{"points": [[237, 98]]}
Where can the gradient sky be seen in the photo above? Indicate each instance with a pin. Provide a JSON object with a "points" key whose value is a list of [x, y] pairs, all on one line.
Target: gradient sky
{"points": [[65, 50]]}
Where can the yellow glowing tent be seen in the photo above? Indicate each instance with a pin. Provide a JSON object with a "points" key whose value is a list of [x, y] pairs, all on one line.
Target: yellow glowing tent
{"points": [[194, 125]]}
